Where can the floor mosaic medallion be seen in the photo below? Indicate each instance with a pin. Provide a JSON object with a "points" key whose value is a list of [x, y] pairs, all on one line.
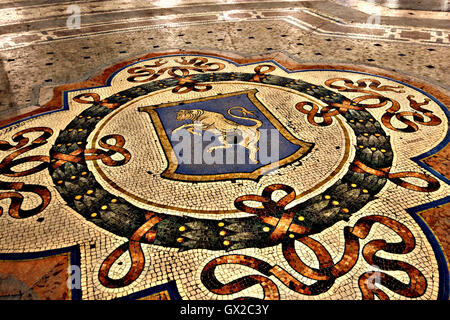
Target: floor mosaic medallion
{"points": [[198, 175]]}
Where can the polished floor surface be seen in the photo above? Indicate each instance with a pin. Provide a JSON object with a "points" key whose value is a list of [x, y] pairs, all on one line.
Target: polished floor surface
{"points": [[216, 150]]}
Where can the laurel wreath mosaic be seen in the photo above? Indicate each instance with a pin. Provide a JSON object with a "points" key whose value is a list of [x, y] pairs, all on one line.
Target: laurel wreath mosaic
{"points": [[329, 219]]}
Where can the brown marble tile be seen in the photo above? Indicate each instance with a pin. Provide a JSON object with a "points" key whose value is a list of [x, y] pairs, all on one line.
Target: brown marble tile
{"points": [[440, 161], [438, 220], [415, 35], [45, 278]]}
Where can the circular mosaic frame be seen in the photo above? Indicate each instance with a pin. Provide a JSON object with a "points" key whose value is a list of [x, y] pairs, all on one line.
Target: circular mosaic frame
{"points": [[84, 194]]}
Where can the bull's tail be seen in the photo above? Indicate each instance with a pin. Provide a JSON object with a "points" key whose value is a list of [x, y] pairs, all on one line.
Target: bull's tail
{"points": [[245, 112]]}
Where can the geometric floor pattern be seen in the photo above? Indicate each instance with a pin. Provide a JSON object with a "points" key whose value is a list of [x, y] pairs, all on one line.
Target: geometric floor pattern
{"points": [[205, 173], [326, 207]]}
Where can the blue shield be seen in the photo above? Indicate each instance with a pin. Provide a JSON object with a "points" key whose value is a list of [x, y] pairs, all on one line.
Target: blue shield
{"points": [[223, 137]]}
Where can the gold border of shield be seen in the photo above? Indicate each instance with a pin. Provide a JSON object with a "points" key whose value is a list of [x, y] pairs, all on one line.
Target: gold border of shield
{"points": [[170, 173]]}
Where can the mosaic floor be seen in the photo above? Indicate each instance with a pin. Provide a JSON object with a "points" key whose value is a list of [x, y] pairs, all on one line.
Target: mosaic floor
{"points": [[229, 171]]}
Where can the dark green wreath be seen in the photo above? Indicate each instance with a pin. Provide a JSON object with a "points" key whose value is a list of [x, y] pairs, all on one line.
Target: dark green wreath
{"points": [[337, 203]]}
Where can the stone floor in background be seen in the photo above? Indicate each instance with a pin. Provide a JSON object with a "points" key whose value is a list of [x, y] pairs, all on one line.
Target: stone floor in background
{"points": [[219, 150]]}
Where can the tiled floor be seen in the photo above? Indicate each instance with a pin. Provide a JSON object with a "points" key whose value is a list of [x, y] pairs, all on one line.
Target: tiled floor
{"points": [[292, 150]]}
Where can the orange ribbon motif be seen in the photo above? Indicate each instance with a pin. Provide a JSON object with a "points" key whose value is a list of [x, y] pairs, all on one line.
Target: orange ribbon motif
{"points": [[260, 74], [20, 148], [15, 208], [397, 178], [80, 155], [186, 84], [282, 225], [147, 73], [10, 161], [383, 101], [133, 246], [81, 98], [328, 271]]}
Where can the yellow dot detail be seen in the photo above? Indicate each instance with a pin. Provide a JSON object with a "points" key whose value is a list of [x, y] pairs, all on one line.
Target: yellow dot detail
{"points": [[377, 135], [365, 191], [382, 150], [366, 134], [361, 147], [291, 236], [226, 243], [345, 210], [60, 182], [90, 192], [59, 145], [78, 197], [353, 185], [327, 197], [113, 200], [73, 177], [180, 240], [104, 207], [301, 218], [84, 173], [182, 228], [335, 203], [221, 224], [93, 215], [79, 130], [373, 149], [266, 229], [222, 233]]}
